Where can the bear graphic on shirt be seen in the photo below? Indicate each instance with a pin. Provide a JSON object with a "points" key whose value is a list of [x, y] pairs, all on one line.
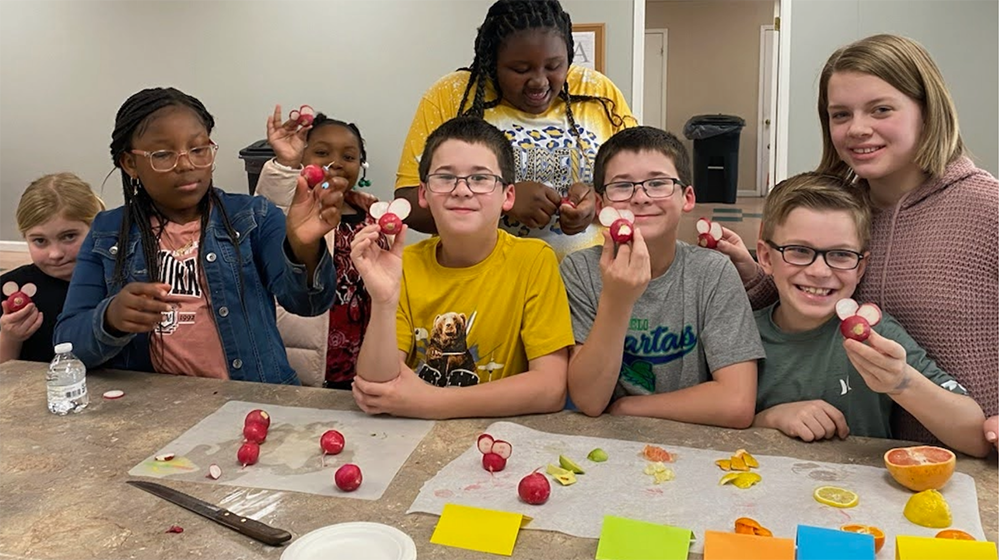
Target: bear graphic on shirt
{"points": [[449, 361]]}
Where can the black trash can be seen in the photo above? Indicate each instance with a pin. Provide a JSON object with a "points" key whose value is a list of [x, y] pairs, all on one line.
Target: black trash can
{"points": [[716, 156], [254, 157]]}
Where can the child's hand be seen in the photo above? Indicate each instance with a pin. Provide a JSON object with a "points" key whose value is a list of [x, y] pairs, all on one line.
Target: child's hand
{"points": [[990, 430], [406, 395], [534, 204], [732, 246], [21, 324], [313, 212], [381, 270], [573, 220], [806, 420], [287, 139], [881, 362], [360, 200], [138, 308], [624, 276]]}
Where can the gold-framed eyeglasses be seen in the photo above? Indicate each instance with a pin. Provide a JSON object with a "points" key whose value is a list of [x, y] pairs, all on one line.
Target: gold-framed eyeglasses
{"points": [[166, 160]]}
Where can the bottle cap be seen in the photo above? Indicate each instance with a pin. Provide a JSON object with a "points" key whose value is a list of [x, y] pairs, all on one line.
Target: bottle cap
{"points": [[64, 348]]}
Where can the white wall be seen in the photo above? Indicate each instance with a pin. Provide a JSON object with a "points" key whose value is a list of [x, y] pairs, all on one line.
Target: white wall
{"points": [[961, 36], [66, 67]]}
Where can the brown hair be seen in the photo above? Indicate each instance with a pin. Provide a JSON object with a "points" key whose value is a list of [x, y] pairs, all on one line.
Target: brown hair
{"points": [[57, 194], [905, 65], [642, 139], [817, 192]]}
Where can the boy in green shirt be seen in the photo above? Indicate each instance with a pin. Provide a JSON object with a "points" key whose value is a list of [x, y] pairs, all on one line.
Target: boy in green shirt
{"points": [[815, 384]]}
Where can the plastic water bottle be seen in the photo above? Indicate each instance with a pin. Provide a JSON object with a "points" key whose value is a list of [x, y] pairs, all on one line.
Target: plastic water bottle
{"points": [[66, 381]]}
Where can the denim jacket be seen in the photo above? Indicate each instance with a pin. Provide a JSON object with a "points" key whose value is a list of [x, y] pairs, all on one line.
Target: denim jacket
{"points": [[246, 325]]}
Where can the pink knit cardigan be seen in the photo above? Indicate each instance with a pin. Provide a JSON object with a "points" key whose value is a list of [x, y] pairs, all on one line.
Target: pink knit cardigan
{"points": [[933, 266]]}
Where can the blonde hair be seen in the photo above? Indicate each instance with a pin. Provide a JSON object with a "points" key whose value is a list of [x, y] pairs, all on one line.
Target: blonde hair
{"points": [[58, 194], [907, 66], [817, 191]]}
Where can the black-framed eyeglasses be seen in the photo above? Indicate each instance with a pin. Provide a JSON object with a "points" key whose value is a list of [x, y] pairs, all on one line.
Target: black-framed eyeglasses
{"points": [[166, 160], [657, 187], [479, 183], [800, 255]]}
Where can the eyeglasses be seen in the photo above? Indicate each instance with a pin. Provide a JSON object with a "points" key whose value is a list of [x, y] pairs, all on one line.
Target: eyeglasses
{"points": [[166, 160], [479, 183], [657, 187], [799, 255]]}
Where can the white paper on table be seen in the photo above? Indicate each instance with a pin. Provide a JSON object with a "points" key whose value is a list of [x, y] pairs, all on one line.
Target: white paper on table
{"points": [[693, 500], [290, 458]]}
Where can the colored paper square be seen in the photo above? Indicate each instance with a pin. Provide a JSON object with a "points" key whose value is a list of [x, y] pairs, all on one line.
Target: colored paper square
{"points": [[628, 539], [819, 543], [926, 548], [731, 546], [484, 530]]}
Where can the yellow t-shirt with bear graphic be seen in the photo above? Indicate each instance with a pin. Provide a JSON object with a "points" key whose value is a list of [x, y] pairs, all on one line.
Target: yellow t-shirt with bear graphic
{"points": [[464, 326], [545, 149]]}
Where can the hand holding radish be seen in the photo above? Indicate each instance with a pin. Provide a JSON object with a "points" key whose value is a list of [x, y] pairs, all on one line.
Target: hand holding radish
{"points": [[624, 275], [287, 139], [534, 204], [138, 307], [733, 247], [312, 214], [21, 324], [577, 210], [381, 270], [881, 362], [406, 395], [807, 420]]}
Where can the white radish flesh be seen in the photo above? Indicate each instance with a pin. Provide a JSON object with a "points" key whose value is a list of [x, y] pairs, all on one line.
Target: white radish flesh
{"points": [[164, 457], [502, 448], [114, 394], [846, 307], [485, 443], [871, 313], [214, 472]]}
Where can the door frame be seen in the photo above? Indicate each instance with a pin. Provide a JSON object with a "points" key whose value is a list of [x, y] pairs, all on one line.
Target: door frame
{"points": [[662, 31], [764, 112]]}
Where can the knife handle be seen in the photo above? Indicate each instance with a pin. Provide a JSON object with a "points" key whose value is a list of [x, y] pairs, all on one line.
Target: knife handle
{"points": [[253, 528]]}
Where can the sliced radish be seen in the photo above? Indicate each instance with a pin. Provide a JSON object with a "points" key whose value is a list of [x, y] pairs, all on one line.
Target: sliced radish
{"points": [[114, 394], [846, 307], [703, 225], [715, 231], [400, 207], [164, 457], [608, 216], [306, 110], [485, 443], [709, 233], [29, 289], [870, 312], [9, 288], [502, 448], [390, 215], [214, 472], [620, 223], [294, 115]]}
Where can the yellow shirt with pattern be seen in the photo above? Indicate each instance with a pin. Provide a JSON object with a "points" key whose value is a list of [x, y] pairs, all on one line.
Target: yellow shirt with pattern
{"points": [[465, 326]]}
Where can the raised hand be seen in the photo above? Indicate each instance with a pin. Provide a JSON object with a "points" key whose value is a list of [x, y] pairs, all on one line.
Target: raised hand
{"points": [[138, 307], [576, 217], [381, 270], [806, 420], [312, 214], [534, 204], [733, 247], [21, 324], [287, 139], [881, 363]]}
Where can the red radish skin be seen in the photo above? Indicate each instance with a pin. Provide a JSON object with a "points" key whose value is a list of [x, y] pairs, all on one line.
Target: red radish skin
{"points": [[566, 200], [707, 241], [534, 489], [17, 301], [248, 454], [621, 231], [175, 529], [255, 432], [331, 442], [502, 448], [348, 477], [856, 327], [390, 224], [314, 175], [165, 457], [260, 416], [485, 443], [306, 120], [494, 462]]}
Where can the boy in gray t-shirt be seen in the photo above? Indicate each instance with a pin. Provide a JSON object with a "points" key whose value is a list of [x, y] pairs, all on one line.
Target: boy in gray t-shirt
{"points": [[816, 384], [662, 329]]}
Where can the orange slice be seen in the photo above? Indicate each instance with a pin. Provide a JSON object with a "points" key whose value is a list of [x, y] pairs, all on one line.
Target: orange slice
{"points": [[657, 454], [747, 458], [724, 464], [742, 480], [954, 534], [749, 526], [868, 530]]}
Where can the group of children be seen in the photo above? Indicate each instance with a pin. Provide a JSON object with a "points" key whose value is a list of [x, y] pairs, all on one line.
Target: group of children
{"points": [[184, 279]]}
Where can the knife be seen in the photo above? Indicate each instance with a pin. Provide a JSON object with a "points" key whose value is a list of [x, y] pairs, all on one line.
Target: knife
{"points": [[244, 525]]}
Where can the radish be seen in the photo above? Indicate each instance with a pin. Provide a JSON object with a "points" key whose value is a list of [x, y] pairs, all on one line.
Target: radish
{"points": [[857, 321], [871, 313], [534, 489], [18, 299], [620, 222], [114, 394], [485, 443], [502, 448], [248, 454], [314, 175], [856, 327], [214, 472], [493, 462], [348, 477], [846, 308], [709, 233], [390, 215], [566, 200], [332, 443], [175, 529], [164, 457], [306, 115], [255, 432], [260, 416]]}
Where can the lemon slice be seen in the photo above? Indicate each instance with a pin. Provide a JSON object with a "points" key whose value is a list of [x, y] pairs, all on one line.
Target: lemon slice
{"points": [[835, 497]]}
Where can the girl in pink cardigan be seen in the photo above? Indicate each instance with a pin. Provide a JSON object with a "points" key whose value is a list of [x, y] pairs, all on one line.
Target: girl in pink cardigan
{"points": [[889, 122]]}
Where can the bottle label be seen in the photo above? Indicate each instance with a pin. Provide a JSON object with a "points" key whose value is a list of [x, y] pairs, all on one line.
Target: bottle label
{"points": [[75, 390]]}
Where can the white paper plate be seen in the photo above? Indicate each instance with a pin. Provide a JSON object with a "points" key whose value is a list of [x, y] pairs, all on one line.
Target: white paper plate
{"points": [[371, 541]]}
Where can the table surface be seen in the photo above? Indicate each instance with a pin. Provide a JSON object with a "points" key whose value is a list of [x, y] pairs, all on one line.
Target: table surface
{"points": [[63, 491]]}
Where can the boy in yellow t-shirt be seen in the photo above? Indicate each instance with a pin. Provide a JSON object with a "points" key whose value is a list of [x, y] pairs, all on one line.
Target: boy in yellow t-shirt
{"points": [[480, 317]]}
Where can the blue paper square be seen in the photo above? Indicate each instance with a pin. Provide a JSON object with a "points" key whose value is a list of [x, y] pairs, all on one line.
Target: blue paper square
{"points": [[818, 543]]}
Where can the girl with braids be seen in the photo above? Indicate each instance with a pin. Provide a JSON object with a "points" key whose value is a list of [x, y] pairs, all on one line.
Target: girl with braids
{"points": [[54, 215], [182, 279], [556, 115], [323, 350]]}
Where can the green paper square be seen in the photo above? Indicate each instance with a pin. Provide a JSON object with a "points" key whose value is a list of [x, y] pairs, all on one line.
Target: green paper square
{"points": [[628, 539]]}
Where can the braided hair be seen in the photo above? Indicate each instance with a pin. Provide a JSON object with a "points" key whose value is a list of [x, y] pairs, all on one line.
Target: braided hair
{"points": [[323, 120], [131, 122], [505, 18]]}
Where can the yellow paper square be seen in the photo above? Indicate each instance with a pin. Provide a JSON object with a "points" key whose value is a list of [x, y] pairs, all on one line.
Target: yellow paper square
{"points": [[485, 530], [925, 548]]}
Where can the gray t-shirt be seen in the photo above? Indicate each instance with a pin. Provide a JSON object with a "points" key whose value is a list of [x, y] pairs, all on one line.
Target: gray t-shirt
{"points": [[813, 365], [690, 322]]}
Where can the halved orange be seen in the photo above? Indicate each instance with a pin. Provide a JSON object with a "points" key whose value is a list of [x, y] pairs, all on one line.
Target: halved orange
{"points": [[920, 468], [868, 530], [749, 526], [954, 534]]}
